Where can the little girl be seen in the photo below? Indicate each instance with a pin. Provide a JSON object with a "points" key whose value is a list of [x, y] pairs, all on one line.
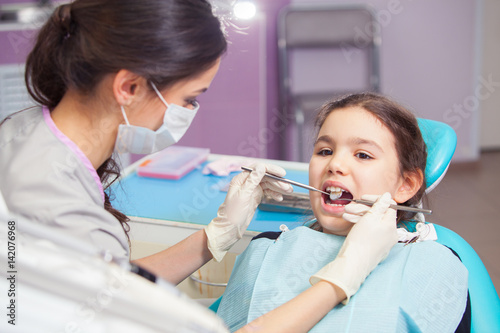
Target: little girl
{"points": [[366, 145]]}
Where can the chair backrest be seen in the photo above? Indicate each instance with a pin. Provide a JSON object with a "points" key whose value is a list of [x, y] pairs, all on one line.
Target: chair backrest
{"points": [[485, 304], [441, 141]]}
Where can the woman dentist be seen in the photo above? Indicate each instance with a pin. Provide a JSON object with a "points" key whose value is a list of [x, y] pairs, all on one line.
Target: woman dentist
{"points": [[123, 75]]}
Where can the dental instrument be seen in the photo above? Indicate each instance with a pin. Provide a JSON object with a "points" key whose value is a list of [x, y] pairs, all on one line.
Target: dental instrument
{"points": [[307, 187], [397, 207], [337, 196]]}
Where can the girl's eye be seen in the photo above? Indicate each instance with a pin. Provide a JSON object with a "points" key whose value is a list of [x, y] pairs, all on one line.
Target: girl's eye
{"points": [[363, 156], [325, 152]]}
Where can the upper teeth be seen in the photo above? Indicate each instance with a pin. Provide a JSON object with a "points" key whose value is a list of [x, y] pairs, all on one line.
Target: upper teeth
{"points": [[332, 189], [335, 192]]}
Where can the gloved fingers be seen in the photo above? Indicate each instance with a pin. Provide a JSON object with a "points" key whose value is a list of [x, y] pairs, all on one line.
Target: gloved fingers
{"points": [[354, 218], [356, 208], [389, 219], [388, 227], [238, 180], [374, 198], [360, 209], [354, 211], [255, 177], [257, 195], [272, 169], [382, 204], [351, 217], [275, 185], [371, 197], [274, 195]]}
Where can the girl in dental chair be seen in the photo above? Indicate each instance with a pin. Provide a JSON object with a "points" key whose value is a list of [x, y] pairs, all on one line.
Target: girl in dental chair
{"points": [[366, 146]]}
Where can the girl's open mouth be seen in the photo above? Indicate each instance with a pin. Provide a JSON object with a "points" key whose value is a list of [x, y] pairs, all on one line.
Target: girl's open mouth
{"points": [[337, 194]]}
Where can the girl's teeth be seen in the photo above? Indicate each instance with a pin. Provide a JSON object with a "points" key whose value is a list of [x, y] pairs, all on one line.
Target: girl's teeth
{"points": [[335, 192], [335, 196]]}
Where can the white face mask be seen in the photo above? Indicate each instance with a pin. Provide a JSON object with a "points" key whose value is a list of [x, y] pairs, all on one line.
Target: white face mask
{"points": [[142, 140]]}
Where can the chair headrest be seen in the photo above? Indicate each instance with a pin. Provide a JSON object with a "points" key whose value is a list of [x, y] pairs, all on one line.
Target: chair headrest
{"points": [[441, 141]]}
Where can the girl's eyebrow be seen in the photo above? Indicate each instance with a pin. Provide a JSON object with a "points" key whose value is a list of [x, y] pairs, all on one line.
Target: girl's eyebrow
{"points": [[361, 141], [355, 141], [324, 138]]}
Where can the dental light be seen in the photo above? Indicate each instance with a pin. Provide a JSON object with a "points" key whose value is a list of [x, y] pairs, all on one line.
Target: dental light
{"points": [[244, 9]]}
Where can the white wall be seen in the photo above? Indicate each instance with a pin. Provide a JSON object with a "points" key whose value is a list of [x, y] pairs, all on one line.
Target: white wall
{"points": [[430, 61]]}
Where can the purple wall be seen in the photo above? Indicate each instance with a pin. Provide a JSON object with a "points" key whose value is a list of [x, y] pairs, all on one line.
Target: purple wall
{"points": [[231, 112], [239, 114], [428, 61], [3, 2], [15, 45], [274, 120]]}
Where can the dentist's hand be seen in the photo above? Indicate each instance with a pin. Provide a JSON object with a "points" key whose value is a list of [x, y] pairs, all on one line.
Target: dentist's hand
{"points": [[367, 244], [354, 211], [244, 195]]}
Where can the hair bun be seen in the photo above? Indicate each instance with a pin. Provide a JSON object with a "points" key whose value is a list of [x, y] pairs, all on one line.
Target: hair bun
{"points": [[63, 16]]}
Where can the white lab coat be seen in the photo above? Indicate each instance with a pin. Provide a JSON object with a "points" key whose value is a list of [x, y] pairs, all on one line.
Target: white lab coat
{"points": [[46, 178], [55, 283]]}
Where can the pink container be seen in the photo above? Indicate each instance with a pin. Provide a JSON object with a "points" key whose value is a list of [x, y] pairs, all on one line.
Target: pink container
{"points": [[173, 162]]}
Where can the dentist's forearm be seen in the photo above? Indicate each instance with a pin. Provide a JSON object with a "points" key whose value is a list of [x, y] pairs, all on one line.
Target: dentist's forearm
{"points": [[180, 260]]}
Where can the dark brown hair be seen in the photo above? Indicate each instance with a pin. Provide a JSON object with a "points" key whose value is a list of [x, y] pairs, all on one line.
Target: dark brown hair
{"points": [[163, 41], [410, 145]]}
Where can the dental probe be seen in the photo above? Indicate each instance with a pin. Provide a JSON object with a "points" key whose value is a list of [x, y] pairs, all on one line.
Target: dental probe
{"points": [[361, 201], [398, 207], [307, 187]]}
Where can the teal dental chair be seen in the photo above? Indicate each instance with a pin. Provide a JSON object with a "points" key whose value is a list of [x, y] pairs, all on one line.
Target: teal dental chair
{"points": [[441, 142]]}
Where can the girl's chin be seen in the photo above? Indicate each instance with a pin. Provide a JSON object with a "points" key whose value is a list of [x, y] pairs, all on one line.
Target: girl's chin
{"points": [[335, 225]]}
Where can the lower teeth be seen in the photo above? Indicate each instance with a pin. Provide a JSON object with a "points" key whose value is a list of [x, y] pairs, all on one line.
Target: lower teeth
{"points": [[335, 205]]}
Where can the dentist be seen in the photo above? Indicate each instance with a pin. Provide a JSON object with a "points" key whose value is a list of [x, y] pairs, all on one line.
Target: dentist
{"points": [[123, 75]]}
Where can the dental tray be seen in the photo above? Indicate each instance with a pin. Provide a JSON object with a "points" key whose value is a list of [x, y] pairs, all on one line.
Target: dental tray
{"points": [[173, 163], [292, 203]]}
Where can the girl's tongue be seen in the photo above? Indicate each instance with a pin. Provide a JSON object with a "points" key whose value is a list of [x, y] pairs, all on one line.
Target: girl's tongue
{"points": [[339, 201], [345, 195]]}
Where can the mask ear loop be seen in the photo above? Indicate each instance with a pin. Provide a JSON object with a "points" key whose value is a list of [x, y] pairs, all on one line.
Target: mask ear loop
{"points": [[124, 115], [159, 95]]}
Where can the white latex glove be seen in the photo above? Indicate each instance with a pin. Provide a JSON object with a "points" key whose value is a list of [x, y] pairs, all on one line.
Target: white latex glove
{"points": [[354, 211], [367, 244], [244, 195]]}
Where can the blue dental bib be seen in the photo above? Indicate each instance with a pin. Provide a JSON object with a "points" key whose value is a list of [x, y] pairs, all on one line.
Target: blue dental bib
{"points": [[418, 288]]}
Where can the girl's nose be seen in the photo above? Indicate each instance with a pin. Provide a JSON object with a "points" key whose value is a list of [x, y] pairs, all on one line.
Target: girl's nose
{"points": [[337, 164]]}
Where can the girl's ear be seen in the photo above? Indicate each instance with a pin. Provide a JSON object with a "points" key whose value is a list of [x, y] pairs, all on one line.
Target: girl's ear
{"points": [[411, 184]]}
